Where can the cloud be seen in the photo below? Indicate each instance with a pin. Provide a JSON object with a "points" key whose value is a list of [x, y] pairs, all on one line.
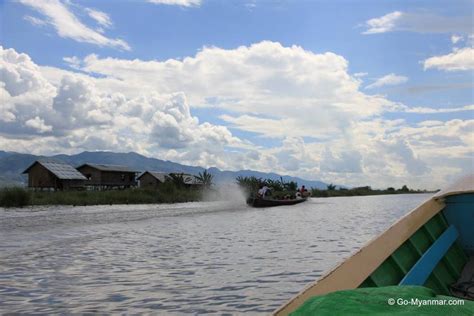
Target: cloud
{"points": [[403, 152], [428, 88], [67, 25], [100, 17], [38, 124], [425, 110], [283, 93], [254, 81], [305, 108], [35, 21], [456, 38], [420, 22], [73, 62], [183, 3], [428, 110], [459, 60], [388, 80], [360, 74], [383, 24], [71, 114], [346, 162]]}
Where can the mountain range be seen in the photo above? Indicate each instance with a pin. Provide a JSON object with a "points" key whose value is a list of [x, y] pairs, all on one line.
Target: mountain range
{"points": [[12, 164]]}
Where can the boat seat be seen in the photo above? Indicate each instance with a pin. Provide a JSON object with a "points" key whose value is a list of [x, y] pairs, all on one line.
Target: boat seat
{"points": [[464, 287], [422, 269]]}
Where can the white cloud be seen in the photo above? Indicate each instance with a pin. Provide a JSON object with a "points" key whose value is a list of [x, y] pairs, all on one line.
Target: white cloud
{"points": [[71, 114], [384, 23], [73, 62], [388, 80], [183, 3], [420, 22], [459, 60], [349, 161], [68, 25], [100, 17], [328, 128], [425, 110], [38, 124], [261, 79], [399, 107], [260, 86], [360, 74], [403, 152], [456, 38], [35, 21], [431, 123]]}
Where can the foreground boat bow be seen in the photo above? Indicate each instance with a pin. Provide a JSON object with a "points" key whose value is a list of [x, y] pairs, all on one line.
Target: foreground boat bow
{"points": [[432, 246]]}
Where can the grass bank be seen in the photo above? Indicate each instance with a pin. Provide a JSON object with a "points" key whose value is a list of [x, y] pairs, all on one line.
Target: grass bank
{"points": [[19, 197], [14, 197], [362, 191]]}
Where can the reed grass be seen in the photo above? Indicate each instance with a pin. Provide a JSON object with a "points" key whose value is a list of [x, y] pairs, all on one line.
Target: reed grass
{"points": [[14, 197], [167, 193]]}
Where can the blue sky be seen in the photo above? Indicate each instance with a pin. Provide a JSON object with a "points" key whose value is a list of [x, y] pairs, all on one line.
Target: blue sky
{"points": [[354, 92]]}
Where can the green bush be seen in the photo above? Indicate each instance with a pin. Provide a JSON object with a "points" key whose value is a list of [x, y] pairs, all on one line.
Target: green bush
{"points": [[14, 197]]}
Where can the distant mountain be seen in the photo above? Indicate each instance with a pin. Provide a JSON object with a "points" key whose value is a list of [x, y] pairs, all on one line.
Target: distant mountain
{"points": [[13, 164]]}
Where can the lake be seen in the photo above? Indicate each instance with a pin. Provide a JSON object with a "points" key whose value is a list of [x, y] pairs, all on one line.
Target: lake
{"points": [[207, 257]]}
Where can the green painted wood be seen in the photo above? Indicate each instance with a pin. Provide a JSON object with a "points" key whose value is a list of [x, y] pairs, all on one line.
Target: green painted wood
{"points": [[399, 264], [446, 272], [406, 256], [432, 260], [434, 281], [446, 260], [387, 274]]}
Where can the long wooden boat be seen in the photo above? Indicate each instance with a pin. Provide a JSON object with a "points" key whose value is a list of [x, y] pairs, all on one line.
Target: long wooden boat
{"points": [[432, 246], [257, 202]]}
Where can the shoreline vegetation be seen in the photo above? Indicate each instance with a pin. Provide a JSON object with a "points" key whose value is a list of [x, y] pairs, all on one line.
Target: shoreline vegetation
{"points": [[175, 192], [20, 197], [281, 188], [332, 191]]}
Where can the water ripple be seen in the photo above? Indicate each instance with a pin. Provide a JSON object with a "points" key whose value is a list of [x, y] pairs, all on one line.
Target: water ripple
{"points": [[192, 258]]}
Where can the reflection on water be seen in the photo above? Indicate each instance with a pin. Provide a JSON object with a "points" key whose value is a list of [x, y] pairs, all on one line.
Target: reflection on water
{"points": [[211, 257]]}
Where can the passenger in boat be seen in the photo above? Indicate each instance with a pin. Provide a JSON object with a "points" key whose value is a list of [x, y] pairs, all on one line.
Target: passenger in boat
{"points": [[263, 191], [303, 190]]}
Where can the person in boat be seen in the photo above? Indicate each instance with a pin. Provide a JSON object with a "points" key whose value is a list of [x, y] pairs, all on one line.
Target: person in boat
{"points": [[304, 192], [263, 191]]}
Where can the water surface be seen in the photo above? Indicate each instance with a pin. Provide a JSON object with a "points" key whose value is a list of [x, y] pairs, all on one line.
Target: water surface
{"points": [[210, 257]]}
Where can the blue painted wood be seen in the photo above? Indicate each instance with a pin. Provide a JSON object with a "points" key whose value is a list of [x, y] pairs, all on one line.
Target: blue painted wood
{"points": [[459, 211], [420, 272]]}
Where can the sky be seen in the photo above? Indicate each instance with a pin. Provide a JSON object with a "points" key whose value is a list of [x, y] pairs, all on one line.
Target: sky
{"points": [[357, 93]]}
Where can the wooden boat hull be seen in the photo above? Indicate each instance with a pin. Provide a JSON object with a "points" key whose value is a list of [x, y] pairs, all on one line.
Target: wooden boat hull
{"points": [[430, 246], [256, 202]]}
